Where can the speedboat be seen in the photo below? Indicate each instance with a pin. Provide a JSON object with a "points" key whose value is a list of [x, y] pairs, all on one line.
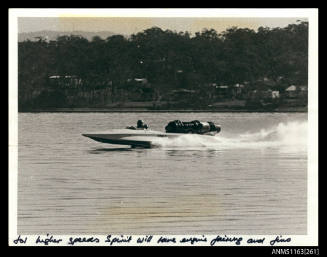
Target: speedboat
{"points": [[134, 138], [140, 137]]}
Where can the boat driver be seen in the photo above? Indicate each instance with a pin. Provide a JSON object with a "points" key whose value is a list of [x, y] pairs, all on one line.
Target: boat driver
{"points": [[142, 125]]}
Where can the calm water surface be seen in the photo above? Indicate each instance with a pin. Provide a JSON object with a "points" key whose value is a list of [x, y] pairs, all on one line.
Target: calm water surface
{"points": [[250, 179]]}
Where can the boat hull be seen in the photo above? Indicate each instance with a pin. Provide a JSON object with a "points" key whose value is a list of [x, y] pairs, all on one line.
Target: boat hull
{"points": [[133, 143], [134, 138]]}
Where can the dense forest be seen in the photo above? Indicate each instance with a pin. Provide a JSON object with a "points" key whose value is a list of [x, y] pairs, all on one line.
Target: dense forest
{"points": [[169, 60]]}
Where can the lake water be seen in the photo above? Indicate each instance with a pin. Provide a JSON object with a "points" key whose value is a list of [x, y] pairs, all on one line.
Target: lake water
{"points": [[249, 179]]}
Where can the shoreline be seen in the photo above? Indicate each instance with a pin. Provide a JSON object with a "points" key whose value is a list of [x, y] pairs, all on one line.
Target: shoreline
{"points": [[136, 110]]}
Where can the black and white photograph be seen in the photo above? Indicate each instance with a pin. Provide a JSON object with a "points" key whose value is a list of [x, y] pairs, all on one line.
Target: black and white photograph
{"points": [[157, 127]]}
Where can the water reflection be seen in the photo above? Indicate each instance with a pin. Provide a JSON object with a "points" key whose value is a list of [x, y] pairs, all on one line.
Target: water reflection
{"points": [[203, 152], [101, 150]]}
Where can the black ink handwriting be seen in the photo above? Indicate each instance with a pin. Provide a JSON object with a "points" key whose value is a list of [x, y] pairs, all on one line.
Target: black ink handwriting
{"points": [[166, 240], [146, 239], [20, 240], [193, 240], [237, 240], [118, 240], [253, 241], [47, 240], [73, 240], [280, 240]]}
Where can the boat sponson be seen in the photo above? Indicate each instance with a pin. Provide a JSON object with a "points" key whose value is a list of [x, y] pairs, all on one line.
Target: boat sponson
{"points": [[120, 141]]}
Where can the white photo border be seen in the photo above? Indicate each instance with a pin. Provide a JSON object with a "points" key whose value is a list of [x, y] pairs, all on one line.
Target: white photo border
{"points": [[311, 239]]}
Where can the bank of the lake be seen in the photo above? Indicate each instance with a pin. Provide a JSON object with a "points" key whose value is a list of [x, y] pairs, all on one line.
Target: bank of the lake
{"points": [[130, 109]]}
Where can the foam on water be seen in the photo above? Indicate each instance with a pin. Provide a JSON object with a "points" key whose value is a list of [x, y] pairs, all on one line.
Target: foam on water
{"points": [[292, 134]]}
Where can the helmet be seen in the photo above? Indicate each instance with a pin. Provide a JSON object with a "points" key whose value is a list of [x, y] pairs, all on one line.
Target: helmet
{"points": [[140, 123]]}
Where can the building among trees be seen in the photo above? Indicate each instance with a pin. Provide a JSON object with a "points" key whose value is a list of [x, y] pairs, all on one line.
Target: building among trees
{"points": [[149, 64]]}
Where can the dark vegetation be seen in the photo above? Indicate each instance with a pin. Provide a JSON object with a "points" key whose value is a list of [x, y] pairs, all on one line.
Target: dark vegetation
{"points": [[165, 69]]}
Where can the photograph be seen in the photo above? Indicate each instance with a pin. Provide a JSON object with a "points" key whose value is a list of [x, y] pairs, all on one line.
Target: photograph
{"points": [[151, 127]]}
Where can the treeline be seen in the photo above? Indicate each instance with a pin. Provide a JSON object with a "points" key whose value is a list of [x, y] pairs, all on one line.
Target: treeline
{"points": [[167, 59]]}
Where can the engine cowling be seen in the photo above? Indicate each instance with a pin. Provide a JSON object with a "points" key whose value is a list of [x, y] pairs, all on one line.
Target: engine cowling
{"points": [[196, 127]]}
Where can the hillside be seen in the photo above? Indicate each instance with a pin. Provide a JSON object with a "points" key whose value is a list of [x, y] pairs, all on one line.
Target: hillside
{"points": [[52, 35], [161, 65]]}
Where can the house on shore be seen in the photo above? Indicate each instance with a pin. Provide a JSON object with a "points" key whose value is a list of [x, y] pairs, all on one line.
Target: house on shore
{"points": [[65, 81], [139, 89], [224, 91], [238, 91], [267, 94], [291, 92], [138, 81], [294, 91], [181, 94]]}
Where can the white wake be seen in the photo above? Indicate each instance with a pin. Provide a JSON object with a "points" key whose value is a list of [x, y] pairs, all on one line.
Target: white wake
{"points": [[284, 134]]}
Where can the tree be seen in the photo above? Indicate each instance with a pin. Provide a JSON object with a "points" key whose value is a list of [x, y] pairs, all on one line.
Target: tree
{"points": [[167, 59]]}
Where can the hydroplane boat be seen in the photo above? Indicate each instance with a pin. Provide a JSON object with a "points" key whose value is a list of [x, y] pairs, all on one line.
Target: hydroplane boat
{"points": [[142, 136]]}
